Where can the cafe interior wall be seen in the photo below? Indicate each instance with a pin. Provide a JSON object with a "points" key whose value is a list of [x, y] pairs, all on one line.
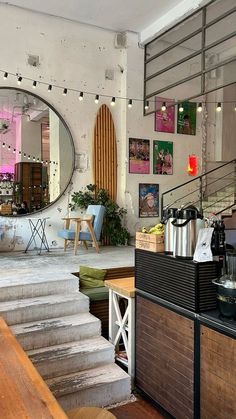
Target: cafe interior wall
{"points": [[77, 56]]}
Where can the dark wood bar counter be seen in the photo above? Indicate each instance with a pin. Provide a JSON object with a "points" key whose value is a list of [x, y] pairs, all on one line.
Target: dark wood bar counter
{"points": [[185, 359]]}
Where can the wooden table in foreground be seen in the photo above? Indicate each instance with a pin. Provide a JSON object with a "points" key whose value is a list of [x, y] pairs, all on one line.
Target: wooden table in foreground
{"points": [[122, 326], [23, 393]]}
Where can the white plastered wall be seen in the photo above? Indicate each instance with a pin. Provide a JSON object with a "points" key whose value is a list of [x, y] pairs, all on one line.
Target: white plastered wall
{"points": [[76, 56]]}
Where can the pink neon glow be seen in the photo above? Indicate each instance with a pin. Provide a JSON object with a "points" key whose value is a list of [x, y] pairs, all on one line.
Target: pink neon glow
{"points": [[6, 168]]}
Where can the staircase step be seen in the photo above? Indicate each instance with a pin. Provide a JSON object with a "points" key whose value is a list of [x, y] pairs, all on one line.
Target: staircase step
{"points": [[40, 308], [56, 331], [100, 386], [69, 357], [18, 286]]}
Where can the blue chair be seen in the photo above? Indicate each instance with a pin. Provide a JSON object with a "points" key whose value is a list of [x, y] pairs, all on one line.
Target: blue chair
{"points": [[93, 220]]}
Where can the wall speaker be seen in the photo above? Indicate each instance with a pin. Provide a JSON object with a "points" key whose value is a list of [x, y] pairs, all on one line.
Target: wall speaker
{"points": [[120, 40]]}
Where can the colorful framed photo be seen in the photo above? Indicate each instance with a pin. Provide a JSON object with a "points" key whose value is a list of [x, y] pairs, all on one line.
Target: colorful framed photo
{"points": [[139, 156], [148, 200], [186, 122], [164, 120], [162, 157]]}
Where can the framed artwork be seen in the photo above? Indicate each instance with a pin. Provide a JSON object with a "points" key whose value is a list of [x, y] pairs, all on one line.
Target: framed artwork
{"points": [[164, 120], [162, 157], [139, 156], [186, 122], [148, 200]]}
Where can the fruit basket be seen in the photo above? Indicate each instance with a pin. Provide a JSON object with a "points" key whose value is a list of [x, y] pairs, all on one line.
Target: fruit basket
{"points": [[152, 240]]}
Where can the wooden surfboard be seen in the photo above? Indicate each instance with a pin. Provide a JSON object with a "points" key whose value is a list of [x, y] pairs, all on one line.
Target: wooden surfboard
{"points": [[105, 152]]}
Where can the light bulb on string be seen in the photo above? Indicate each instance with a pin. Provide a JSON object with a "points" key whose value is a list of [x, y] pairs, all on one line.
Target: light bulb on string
{"points": [[235, 107], [29, 157], [146, 107], [14, 150], [199, 107], [19, 80], [5, 75], [218, 108], [9, 148], [34, 84], [96, 100], [163, 106], [3, 145], [130, 103], [113, 101], [49, 88], [181, 109], [81, 96], [64, 92], [24, 154]]}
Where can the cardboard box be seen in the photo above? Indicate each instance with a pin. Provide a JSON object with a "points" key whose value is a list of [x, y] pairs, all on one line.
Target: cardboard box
{"points": [[151, 242]]}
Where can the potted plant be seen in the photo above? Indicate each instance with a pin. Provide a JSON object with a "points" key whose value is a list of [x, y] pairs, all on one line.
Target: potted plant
{"points": [[113, 233]]}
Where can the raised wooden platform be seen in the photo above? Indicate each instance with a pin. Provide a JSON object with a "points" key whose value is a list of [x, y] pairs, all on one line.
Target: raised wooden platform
{"points": [[23, 393]]}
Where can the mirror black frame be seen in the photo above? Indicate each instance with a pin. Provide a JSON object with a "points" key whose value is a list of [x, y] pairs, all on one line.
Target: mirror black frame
{"points": [[71, 141]]}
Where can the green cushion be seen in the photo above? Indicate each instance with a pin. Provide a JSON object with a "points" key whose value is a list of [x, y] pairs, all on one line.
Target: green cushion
{"points": [[91, 277], [96, 294]]}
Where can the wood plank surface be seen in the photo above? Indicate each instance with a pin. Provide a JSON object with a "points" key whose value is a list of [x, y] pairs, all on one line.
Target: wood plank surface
{"points": [[123, 286], [90, 413], [165, 357], [23, 393], [218, 375], [105, 152]]}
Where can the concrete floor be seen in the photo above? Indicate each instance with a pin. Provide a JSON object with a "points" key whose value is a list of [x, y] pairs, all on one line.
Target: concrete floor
{"points": [[58, 262]]}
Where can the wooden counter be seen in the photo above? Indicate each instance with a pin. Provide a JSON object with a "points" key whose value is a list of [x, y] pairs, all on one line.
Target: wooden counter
{"points": [[23, 393], [123, 286]]}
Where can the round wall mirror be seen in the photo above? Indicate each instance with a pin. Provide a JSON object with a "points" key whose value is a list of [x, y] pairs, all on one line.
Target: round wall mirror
{"points": [[36, 153]]}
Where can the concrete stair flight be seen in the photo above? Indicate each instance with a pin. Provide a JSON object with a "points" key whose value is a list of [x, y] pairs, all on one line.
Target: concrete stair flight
{"points": [[50, 318], [222, 202]]}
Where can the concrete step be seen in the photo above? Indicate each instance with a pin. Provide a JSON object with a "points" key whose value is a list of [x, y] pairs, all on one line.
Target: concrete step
{"points": [[16, 286], [46, 307], [70, 357], [100, 386], [56, 331]]}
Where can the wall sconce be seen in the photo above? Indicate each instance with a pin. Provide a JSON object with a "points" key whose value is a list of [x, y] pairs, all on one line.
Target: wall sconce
{"points": [[192, 165]]}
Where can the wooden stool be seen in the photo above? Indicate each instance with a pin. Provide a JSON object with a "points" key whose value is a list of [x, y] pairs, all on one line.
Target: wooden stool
{"points": [[90, 413]]}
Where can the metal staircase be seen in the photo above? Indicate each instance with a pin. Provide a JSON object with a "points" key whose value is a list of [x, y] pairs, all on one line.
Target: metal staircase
{"points": [[214, 192]]}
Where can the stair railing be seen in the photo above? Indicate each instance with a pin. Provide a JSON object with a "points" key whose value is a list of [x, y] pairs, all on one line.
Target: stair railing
{"points": [[199, 189]]}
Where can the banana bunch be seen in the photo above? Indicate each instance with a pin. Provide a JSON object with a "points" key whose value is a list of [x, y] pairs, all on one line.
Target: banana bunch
{"points": [[157, 229]]}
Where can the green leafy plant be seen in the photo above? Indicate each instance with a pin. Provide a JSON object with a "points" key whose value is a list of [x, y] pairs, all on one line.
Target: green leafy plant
{"points": [[113, 232]]}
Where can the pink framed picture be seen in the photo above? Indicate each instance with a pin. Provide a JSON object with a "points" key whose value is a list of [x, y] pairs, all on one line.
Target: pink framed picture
{"points": [[164, 115]]}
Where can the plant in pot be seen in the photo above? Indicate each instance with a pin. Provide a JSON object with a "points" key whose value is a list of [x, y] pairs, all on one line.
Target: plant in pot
{"points": [[113, 232]]}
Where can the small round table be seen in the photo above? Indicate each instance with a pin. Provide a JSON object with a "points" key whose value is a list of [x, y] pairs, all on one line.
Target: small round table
{"points": [[90, 413], [37, 227]]}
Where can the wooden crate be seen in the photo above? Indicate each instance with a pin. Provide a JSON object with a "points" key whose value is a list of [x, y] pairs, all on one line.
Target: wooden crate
{"points": [[151, 242]]}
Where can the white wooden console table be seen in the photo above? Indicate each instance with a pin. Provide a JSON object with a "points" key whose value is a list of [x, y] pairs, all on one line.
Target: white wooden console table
{"points": [[122, 326]]}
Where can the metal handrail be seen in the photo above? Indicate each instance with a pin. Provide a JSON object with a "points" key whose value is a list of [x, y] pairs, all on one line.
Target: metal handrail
{"points": [[200, 177]]}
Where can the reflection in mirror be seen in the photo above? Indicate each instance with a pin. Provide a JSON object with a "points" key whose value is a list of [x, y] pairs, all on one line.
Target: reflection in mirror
{"points": [[36, 153]]}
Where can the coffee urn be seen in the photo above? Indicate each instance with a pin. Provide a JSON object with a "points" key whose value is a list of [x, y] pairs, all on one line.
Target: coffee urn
{"points": [[185, 225], [169, 215]]}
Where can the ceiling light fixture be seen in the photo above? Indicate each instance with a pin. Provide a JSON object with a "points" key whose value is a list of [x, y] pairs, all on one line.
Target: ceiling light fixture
{"points": [[130, 103], [5, 75], [19, 80], [34, 84], [113, 101], [49, 88], [81, 96], [181, 109], [96, 100], [64, 92], [218, 108]]}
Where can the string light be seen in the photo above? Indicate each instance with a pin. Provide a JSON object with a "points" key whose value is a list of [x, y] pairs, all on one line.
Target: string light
{"points": [[146, 107], [199, 107], [235, 107], [163, 107], [113, 101], [218, 108], [81, 95]]}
